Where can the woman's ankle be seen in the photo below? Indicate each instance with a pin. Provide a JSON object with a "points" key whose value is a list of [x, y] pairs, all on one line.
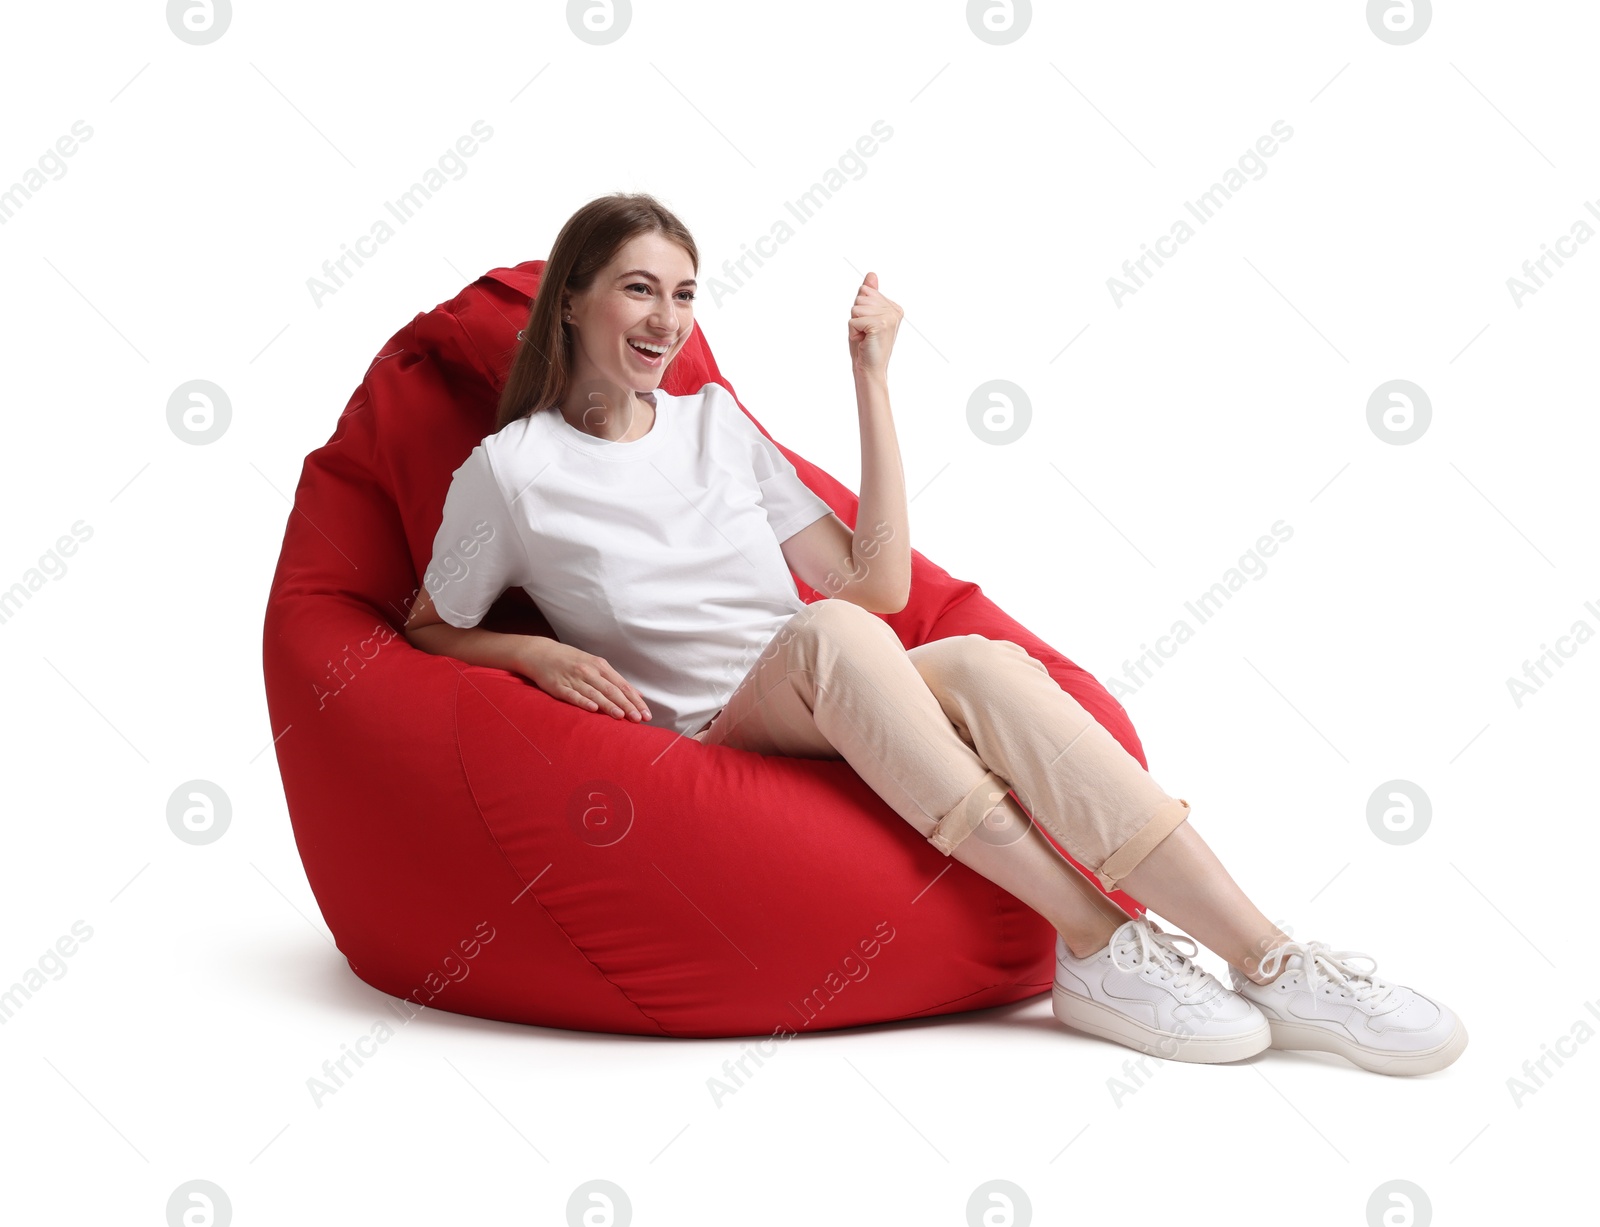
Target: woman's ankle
{"points": [[1250, 965], [1254, 975], [1084, 940]]}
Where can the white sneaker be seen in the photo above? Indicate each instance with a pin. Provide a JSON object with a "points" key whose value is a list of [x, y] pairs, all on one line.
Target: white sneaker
{"points": [[1318, 1000], [1142, 991]]}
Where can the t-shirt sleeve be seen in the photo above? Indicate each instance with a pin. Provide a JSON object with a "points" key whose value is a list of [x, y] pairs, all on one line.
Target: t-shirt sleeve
{"points": [[477, 553], [790, 504]]}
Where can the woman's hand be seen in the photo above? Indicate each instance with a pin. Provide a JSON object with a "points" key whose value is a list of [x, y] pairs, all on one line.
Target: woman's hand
{"points": [[574, 676], [874, 321]]}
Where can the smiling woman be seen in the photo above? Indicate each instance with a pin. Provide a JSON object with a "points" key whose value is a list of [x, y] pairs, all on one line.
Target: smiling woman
{"points": [[663, 537]]}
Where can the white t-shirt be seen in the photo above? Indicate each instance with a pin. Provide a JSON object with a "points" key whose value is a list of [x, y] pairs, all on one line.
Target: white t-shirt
{"points": [[660, 554]]}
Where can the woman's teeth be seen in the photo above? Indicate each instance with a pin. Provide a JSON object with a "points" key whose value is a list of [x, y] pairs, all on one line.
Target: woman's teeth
{"points": [[651, 356]]}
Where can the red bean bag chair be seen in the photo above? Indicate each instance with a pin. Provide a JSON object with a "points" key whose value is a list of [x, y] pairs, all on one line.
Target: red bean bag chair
{"points": [[481, 847]]}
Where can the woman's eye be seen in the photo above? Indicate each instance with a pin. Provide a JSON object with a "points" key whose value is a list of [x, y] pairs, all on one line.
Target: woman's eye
{"points": [[686, 295]]}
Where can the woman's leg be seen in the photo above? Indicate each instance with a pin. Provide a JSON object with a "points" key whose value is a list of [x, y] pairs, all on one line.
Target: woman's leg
{"points": [[836, 682], [1015, 855], [1183, 880], [1003, 702], [1006, 847]]}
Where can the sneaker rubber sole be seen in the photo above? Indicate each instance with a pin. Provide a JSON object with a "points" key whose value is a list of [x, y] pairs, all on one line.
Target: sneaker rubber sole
{"points": [[1081, 1014], [1306, 1037]]}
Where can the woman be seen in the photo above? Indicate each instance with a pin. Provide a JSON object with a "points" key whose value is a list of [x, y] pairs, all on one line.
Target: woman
{"points": [[657, 534]]}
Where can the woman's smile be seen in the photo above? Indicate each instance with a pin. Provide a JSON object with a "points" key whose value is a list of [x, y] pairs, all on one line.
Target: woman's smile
{"points": [[648, 358]]}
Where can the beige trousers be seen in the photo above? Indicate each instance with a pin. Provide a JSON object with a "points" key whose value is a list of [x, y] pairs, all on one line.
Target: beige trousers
{"points": [[943, 732]]}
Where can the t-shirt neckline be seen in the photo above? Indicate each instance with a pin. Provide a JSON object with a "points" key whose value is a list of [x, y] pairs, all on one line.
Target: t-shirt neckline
{"points": [[610, 449]]}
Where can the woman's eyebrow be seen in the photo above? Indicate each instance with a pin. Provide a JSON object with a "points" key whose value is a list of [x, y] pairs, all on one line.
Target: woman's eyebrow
{"points": [[639, 272]]}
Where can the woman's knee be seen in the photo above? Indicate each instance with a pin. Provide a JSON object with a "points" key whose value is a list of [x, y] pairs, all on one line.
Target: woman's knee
{"points": [[962, 661], [836, 621], [841, 619]]}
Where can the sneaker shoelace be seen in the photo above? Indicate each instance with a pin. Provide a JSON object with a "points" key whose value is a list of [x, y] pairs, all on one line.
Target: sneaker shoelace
{"points": [[1322, 964], [1163, 950]]}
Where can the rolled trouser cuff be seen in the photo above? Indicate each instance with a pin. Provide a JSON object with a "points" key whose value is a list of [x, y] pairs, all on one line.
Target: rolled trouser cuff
{"points": [[969, 812], [1125, 859]]}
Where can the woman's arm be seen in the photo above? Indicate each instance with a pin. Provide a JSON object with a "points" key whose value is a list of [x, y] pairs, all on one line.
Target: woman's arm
{"points": [[425, 629], [559, 669], [882, 538], [872, 565]]}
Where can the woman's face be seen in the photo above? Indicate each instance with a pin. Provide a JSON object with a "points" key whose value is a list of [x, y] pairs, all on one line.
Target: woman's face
{"points": [[645, 295]]}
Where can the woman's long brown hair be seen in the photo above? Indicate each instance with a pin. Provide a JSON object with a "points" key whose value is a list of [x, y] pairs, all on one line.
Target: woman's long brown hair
{"points": [[588, 242]]}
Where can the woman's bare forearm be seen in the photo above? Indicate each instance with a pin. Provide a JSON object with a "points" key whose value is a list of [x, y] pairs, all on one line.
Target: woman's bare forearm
{"points": [[477, 646], [883, 533]]}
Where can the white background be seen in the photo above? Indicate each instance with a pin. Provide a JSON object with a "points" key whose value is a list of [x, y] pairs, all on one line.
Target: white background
{"points": [[1228, 393]]}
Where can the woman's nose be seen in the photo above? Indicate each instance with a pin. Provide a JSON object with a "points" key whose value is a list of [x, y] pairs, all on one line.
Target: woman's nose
{"points": [[667, 315]]}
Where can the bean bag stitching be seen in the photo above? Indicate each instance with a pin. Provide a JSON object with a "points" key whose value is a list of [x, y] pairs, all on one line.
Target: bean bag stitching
{"points": [[489, 831]]}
